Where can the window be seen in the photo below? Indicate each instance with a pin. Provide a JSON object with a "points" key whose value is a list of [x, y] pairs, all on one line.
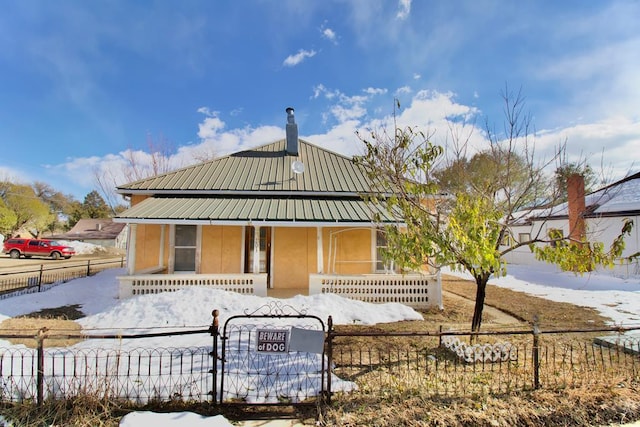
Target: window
{"points": [[381, 245], [524, 237], [185, 248]]}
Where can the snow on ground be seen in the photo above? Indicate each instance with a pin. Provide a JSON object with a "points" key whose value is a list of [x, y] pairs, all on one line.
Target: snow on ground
{"points": [[617, 299], [84, 248]]}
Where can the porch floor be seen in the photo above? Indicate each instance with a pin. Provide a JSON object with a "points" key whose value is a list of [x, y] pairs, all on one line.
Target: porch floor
{"points": [[286, 292]]}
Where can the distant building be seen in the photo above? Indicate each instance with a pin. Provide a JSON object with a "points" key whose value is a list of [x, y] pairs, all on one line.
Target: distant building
{"points": [[603, 213], [98, 231]]}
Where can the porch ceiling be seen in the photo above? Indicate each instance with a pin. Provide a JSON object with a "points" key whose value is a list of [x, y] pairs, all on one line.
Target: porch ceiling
{"points": [[245, 209]]}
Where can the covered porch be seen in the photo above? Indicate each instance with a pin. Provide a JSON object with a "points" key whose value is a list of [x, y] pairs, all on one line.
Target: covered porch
{"points": [[414, 290]]}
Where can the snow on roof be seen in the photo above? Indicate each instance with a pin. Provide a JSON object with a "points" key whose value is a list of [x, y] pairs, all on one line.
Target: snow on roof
{"points": [[621, 197]]}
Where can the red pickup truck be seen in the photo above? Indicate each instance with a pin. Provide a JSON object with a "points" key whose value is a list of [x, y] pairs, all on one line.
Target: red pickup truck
{"points": [[27, 248]]}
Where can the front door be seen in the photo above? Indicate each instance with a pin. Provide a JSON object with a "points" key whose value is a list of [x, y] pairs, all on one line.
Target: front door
{"points": [[257, 251]]}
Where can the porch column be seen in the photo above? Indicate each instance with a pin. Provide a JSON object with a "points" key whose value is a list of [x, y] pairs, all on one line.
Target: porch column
{"points": [[172, 248], [256, 250], [320, 256], [131, 249], [161, 252]]}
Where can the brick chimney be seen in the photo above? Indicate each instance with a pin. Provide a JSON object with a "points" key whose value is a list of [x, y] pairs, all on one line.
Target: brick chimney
{"points": [[577, 206]]}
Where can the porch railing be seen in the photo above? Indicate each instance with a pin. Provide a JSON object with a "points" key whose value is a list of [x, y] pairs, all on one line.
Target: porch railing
{"points": [[141, 284], [414, 290]]}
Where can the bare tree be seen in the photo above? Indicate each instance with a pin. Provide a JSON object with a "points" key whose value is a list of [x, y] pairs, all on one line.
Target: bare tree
{"points": [[136, 165], [459, 207]]}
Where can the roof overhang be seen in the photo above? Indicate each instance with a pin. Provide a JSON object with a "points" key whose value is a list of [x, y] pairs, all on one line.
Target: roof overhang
{"points": [[252, 211]]}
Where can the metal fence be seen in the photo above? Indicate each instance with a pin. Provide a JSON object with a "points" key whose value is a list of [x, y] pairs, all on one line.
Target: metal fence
{"points": [[367, 361], [32, 279], [462, 364]]}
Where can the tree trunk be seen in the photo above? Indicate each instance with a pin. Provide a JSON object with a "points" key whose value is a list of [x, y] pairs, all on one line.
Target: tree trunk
{"points": [[481, 288]]}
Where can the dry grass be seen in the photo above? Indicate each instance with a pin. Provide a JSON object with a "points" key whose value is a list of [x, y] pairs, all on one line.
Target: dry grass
{"points": [[85, 411], [595, 406], [458, 312], [550, 314], [57, 321]]}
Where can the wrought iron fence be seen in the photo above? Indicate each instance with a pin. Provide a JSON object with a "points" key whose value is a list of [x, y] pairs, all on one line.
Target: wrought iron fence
{"points": [[272, 356], [33, 279], [371, 362], [448, 363]]}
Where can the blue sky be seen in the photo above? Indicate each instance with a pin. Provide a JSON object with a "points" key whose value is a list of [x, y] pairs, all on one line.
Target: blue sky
{"points": [[82, 82]]}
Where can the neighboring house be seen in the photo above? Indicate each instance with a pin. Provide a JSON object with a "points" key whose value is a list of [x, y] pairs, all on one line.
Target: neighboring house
{"points": [[288, 213], [603, 212], [98, 231]]}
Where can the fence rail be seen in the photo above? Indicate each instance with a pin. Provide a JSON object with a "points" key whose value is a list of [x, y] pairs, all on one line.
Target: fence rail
{"points": [[32, 279], [377, 364]]}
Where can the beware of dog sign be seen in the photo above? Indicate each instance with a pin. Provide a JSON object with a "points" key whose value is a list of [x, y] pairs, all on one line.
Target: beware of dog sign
{"points": [[272, 340]]}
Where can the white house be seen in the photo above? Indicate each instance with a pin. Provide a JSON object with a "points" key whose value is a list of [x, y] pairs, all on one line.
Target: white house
{"points": [[604, 212]]}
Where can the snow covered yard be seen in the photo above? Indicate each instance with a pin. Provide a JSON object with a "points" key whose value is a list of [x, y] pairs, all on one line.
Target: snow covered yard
{"points": [[615, 298]]}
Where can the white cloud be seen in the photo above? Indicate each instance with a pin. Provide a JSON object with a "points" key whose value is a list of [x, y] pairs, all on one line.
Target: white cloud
{"points": [[330, 35], [322, 91], [317, 91], [343, 113], [211, 124], [374, 91], [435, 113], [293, 60], [404, 8], [605, 144], [403, 90]]}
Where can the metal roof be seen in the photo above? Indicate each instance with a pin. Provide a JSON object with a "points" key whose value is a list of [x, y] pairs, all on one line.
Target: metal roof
{"points": [[259, 184], [93, 228], [245, 210], [262, 170]]}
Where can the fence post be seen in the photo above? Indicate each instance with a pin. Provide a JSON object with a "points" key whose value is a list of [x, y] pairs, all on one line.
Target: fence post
{"points": [[329, 358], [40, 366], [214, 330], [40, 277], [536, 354], [88, 268], [121, 262]]}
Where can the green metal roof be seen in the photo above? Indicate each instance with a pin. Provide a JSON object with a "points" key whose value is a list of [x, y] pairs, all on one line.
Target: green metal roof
{"points": [[258, 185], [244, 210], [265, 170]]}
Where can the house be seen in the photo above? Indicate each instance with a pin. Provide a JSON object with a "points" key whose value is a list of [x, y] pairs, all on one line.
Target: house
{"points": [[98, 231], [599, 216], [285, 215]]}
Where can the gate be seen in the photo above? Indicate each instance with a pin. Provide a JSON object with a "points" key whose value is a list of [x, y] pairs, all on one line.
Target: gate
{"points": [[272, 356]]}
